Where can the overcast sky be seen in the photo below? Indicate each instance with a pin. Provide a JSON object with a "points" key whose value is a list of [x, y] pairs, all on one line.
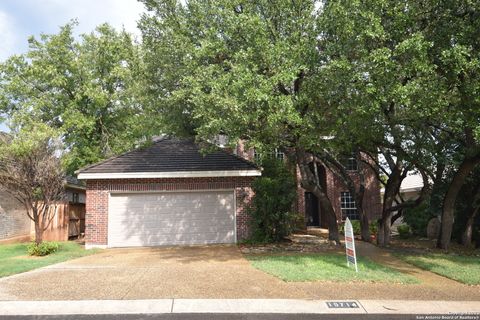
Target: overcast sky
{"points": [[20, 19]]}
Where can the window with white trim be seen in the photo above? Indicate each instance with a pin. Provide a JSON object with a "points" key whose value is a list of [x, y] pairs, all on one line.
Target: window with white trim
{"points": [[276, 154], [350, 163], [348, 206], [256, 155]]}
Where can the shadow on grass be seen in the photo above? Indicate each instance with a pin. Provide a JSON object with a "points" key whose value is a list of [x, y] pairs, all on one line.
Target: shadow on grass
{"points": [[465, 269], [327, 267]]}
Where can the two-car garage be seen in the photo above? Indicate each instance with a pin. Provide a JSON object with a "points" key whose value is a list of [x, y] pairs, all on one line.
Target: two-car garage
{"points": [[169, 193], [171, 218]]}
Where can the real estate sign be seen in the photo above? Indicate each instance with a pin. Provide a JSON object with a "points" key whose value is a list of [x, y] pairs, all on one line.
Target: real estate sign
{"points": [[350, 245]]}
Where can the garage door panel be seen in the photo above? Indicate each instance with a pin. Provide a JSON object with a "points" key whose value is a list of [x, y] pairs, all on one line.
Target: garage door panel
{"points": [[153, 227], [146, 239], [163, 209], [171, 218], [177, 213], [165, 234], [129, 217], [186, 239], [167, 199]]}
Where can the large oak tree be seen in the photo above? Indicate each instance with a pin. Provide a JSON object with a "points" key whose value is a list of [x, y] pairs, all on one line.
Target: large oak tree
{"points": [[84, 86]]}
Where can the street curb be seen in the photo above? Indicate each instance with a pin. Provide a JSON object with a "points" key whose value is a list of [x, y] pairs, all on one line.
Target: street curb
{"points": [[244, 306]]}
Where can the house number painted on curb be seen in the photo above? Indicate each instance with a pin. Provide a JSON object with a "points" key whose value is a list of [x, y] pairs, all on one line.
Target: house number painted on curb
{"points": [[350, 245], [342, 304]]}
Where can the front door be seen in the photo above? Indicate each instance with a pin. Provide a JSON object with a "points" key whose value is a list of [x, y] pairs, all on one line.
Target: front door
{"points": [[312, 216]]}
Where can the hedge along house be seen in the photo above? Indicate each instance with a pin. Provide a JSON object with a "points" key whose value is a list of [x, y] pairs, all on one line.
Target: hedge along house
{"points": [[167, 194]]}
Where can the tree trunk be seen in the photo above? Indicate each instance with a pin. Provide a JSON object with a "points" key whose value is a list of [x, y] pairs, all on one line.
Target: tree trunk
{"points": [[384, 227], [396, 216], [38, 231], [364, 223], [391, 190], [38, 223], [448, 209], [310, 183], [326, 205], [467, 233], [365, 228]]}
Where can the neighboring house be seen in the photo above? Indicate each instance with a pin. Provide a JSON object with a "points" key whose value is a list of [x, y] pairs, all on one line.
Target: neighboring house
{"points": [[168, 193], [411, 187], [14, 222], [342, 201], [69, 220]]}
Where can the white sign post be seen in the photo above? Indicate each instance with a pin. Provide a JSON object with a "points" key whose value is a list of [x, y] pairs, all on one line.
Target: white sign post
{"points": [[350, 245]]}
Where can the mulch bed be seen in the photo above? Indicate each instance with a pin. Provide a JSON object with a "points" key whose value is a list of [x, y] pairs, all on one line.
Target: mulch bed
{"points": [[418, 245], [298, 242]]}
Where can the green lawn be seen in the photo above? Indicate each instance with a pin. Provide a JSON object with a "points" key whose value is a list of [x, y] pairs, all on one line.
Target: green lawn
{"points": [[331, 267], [14, 258], [465, 269]]}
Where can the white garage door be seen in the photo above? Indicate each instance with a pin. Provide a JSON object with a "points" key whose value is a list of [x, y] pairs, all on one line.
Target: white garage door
{"points": [[170, 218]]}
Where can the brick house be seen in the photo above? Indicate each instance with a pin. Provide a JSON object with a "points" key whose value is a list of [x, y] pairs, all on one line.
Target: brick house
{"points": [[169, 193], [307, 204], [14, 223]]}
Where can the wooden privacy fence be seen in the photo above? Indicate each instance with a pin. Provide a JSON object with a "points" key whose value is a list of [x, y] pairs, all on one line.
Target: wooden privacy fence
{"points": [[68, 222]]}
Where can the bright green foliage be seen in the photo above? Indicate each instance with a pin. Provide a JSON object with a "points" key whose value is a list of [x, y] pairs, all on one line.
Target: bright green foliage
{"points": [[465, 269], [327, 267], [86, 88], [271, 212], [246, 69], [42, 249], [14, 257], [356, 227], [24, 140], [406, 75]]}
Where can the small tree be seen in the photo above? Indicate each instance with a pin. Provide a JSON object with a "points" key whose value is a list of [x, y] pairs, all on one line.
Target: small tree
{"points": [[31, 172], [272, 217]]}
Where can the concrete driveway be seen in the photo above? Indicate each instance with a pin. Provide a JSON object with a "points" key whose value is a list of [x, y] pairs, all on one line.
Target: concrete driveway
{"points": [[219, 272], [147, 273]]}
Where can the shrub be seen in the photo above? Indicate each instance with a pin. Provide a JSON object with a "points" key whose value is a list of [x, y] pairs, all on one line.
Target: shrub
{"points": [[356, 227], [271, 212], [403, 231], [417, 218], [42, 249], [373, 228]]}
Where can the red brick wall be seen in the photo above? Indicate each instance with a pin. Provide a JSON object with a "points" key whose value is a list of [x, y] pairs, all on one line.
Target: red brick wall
{"points": [[96, 218], [371, 199]]}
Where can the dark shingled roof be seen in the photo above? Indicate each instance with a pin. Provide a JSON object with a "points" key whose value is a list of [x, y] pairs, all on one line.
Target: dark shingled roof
{"points": [[170, 155]]}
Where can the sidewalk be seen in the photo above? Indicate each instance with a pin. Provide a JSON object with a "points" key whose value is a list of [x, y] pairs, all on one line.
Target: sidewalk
{"points": [[278, 306]]}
